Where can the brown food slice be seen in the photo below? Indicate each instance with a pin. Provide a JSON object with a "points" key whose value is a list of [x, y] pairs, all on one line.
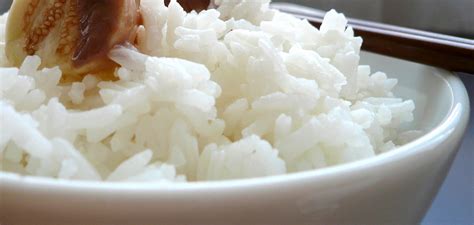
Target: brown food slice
{"points": [[75, 35], [190, 5]]}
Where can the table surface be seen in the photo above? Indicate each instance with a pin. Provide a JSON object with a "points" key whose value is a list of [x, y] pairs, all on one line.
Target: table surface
{"points": [[455, 200]]}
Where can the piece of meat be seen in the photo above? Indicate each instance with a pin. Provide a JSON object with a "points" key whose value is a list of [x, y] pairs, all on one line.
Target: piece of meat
{"points": [[75, 35], [190, 5]]}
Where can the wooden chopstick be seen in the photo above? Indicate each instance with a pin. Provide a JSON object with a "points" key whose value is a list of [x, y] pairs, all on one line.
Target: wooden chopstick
{"points": [[444, 51]]}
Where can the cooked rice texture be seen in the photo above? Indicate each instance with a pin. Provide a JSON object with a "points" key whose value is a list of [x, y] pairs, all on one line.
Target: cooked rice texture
{"points": [[240, 91]]}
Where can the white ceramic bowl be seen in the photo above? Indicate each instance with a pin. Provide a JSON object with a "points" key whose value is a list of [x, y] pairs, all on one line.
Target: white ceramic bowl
{"points": [[394, 188]]}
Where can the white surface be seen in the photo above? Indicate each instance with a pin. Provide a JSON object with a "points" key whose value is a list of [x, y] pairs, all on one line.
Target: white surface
{"points": [[393, 188]]}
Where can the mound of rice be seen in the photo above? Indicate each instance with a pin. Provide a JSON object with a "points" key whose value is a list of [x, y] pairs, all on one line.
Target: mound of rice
{"points": [[235, 92]]}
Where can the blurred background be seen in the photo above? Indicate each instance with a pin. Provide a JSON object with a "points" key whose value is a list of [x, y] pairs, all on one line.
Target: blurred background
{"points": [[454, 204], [454, 17]]}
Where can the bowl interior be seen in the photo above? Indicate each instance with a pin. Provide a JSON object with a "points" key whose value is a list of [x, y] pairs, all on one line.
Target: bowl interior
{"points": [[430, 90]]}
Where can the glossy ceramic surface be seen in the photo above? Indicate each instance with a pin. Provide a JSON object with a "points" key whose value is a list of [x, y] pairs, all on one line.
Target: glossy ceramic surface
{"points": [[394, 188]]}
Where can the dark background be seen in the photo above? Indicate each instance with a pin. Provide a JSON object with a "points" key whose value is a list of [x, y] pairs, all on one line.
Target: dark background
{"points": [[454, 203]]}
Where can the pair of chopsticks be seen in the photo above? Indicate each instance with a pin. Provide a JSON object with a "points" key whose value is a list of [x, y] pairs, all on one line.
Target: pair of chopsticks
{"points": [[444, 51]]}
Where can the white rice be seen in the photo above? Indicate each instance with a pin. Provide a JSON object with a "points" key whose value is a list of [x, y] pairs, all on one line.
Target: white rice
{"points": [[238, 92]]}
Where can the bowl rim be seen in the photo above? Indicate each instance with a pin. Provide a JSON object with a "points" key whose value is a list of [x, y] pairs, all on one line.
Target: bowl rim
{"points": [[457, 116]]}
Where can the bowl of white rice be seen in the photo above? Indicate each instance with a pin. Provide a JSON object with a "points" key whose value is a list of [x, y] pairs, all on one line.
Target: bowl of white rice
{"points": [[239, 114]]}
